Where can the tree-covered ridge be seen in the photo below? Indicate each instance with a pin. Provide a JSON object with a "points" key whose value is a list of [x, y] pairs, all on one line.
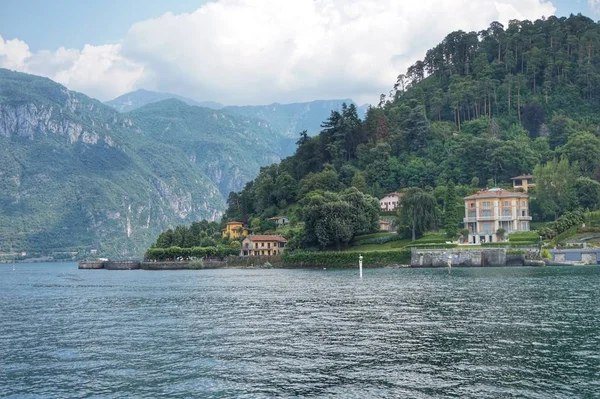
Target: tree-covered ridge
{"points": [[498, 71], [481, 108]]}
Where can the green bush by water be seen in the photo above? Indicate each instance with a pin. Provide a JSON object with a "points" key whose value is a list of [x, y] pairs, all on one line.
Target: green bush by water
{"points": [[195, 252], [346, 259], [196, 264]]}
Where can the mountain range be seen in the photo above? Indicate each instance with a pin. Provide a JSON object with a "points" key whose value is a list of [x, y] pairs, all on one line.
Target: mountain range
{"points": [[287, 119], [137, 99], [78, 175]]}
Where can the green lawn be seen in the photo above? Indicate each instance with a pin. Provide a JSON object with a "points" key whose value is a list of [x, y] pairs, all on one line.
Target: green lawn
{"points": [[538, 225], [394, 244], [372, 247], [374, 235]]}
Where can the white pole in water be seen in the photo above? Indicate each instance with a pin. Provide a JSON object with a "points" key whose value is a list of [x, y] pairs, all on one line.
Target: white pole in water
{"points": [[360, 258]]}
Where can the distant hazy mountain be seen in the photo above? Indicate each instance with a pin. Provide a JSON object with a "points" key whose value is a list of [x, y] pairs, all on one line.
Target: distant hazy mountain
{"points": [[290, 119], [286, 119], [77, 175], [136, 99]]}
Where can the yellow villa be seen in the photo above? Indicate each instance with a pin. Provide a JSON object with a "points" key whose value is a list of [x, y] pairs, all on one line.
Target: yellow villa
{"points": [[490, 210], [234, 230]]}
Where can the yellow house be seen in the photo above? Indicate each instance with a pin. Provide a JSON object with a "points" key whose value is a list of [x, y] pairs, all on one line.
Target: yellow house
{"points": [[523, 182], [234, 230], [493, 209], [263, 245]]}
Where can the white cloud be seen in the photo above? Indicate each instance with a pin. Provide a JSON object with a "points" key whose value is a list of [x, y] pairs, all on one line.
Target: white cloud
{"points": [[13, 53], [259, 51], [594, 6], [99, 71]]}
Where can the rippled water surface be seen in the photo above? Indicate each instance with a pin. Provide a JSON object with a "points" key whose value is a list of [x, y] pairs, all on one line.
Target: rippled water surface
{"points": [[496, 332]]}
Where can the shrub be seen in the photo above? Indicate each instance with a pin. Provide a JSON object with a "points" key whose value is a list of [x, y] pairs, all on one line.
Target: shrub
{"points": [[196, 264], [546, 254], [501, 233], [515, 252]]}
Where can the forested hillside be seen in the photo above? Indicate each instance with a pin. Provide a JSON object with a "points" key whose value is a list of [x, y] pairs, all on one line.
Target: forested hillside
{"points": [[480, 108]]}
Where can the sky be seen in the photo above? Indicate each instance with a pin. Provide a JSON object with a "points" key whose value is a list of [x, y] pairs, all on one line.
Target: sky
{"points": [[243, 51]]}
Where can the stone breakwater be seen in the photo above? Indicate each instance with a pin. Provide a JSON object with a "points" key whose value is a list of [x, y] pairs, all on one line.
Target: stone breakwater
{"points": [[473, 257], [229, 262]]}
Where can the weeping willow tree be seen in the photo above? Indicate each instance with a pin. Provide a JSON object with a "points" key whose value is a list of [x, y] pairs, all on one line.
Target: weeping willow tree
{"points": [[417, 212]]}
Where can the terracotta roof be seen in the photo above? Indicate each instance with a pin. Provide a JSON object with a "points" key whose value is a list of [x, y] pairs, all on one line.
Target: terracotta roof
{"points": [[234, 222], [523, 177], [496, 193], [395, 193], [258, 237]]}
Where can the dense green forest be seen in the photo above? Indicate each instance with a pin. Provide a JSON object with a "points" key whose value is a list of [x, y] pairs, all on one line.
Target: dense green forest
{"points": [[479, 109]]}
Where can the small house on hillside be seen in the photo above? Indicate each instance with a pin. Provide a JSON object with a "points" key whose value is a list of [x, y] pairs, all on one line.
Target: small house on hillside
{"points": [[390, 201], [384, 225], [523, 182], [263, 245], [279, 220], [234, 230]]}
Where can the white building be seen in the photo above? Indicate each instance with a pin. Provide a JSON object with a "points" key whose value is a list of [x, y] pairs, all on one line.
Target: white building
{"points": [[390, 201]]}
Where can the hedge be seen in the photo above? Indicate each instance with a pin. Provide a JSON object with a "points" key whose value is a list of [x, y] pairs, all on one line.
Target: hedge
{"points": [[346, 258], [588, 230], [432, 246], [524, 236], [195, 252], [433, 240], [515, 244], [553, 230]]}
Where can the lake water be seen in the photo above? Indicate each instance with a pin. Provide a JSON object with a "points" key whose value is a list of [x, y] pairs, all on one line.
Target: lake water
{"points": [[418, 333]]}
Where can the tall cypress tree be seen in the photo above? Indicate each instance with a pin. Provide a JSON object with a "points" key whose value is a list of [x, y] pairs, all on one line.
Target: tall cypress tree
{"points": [[451, 211]]}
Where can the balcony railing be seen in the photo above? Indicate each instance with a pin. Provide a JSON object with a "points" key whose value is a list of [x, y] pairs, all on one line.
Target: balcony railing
{"points": [[525, 218]]}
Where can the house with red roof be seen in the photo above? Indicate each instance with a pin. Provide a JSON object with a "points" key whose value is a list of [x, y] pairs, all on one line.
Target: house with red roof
{"points": [[263, 245]]}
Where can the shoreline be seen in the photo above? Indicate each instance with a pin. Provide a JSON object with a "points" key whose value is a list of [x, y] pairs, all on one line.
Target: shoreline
{"points": [[212, 265]]}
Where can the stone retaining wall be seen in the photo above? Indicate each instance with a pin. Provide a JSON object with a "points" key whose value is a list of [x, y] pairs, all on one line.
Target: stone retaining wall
{"points": [[91, 264], [122, 265], [469, 257]]}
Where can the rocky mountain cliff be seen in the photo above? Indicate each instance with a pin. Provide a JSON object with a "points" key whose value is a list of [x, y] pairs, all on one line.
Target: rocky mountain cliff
{"points": [[76, 175]]}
